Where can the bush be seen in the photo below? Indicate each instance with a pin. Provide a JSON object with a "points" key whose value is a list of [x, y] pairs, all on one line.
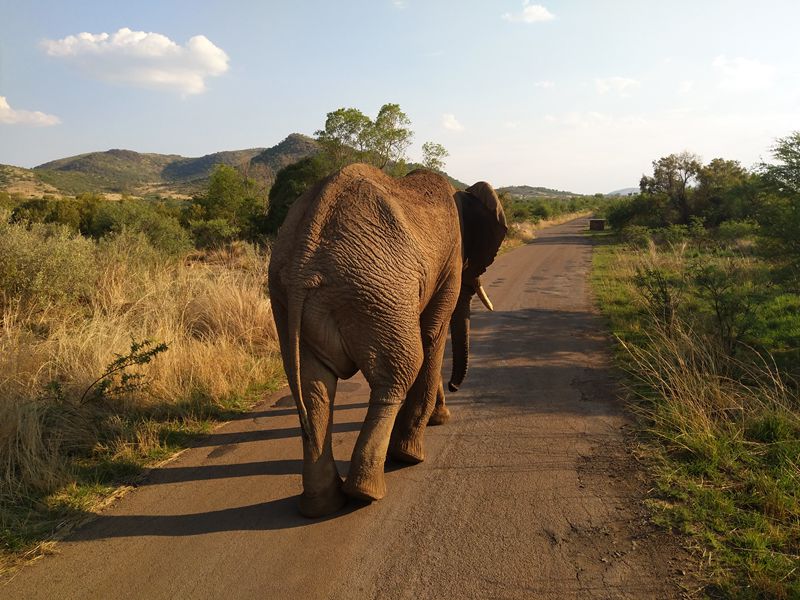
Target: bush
{"points": [[637, 236], [290, 183], [43, 264], [732, 231], [155, 221], [213, 233]]}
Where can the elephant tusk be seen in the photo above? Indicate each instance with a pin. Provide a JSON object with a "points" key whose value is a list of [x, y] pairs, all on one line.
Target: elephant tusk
{"points": [[484, 298]]}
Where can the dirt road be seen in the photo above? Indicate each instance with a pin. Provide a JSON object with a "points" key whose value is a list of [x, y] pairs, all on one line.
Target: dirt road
{"points": [[529, 492]]}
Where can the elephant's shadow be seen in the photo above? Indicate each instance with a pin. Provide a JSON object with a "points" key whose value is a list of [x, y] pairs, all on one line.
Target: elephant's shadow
{"points": [[275, 514]]}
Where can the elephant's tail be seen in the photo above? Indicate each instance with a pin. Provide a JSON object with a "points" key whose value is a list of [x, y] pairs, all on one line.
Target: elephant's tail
{"points": [[295, 309]]}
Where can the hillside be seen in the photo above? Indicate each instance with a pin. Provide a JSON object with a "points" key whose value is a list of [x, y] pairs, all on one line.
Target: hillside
{"points": [[117, 171], [624, 192], [295, 147], [527, 191]]}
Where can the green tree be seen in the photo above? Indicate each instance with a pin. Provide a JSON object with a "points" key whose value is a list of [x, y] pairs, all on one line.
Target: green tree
{"points": [[231, 197], [784, 173], [779, 216], [724, 191], [672, 176], [433, 156], [290, 183], [351, 136], [346, 137], [390, 136]]}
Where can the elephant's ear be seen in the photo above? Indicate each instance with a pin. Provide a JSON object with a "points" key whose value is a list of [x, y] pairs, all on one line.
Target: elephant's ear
{"points": [[485, 227], [488, 198]]}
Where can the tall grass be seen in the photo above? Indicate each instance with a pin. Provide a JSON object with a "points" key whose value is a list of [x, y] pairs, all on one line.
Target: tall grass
{"points": [[68, 308], [724, 418]]}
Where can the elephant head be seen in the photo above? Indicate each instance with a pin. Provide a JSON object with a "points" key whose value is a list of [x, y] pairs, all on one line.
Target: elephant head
{"points": [[483, 227]]}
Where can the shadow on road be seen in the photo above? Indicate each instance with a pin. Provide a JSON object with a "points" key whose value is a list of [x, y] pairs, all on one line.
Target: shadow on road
{"points": [[276, 514]]}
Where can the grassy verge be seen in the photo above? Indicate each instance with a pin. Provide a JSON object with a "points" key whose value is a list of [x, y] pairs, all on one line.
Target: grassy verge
{"points": [[112, 358], [709, 349]]}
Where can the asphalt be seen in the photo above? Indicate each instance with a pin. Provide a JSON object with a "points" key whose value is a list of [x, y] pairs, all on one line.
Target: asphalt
{"points": [[531, 490]]}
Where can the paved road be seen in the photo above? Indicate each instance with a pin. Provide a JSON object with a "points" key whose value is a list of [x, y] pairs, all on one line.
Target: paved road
{"points": [[529, 492]]}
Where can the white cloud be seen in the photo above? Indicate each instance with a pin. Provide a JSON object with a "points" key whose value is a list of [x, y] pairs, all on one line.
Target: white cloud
{"points": [[743, 74], [11, 116], [143, 59], [530, 13], [450, 122], [620, 85], [686, 86], [399, 3], [545, 84]]}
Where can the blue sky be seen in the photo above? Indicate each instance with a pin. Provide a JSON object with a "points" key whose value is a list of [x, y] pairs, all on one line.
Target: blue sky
{"points": [[579, 95]]}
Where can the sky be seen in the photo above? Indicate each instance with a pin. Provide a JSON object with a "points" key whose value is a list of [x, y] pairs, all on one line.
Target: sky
{"points": [[578, 95]]}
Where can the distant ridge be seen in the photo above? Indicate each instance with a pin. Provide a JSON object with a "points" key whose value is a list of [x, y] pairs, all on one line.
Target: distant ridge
{"points": [[624, 191], [527, 191], [119, 171]]}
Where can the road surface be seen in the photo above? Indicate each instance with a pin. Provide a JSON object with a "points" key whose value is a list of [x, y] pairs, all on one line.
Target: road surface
{"points": [[529, 492]]}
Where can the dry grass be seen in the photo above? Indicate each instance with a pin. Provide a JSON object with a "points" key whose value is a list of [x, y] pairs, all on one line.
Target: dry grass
{"points": [[214, 316]]}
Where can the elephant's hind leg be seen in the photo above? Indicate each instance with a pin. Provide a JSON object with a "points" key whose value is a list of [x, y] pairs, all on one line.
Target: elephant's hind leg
{"points": [[441, 414], [407, 437], [322, 486]]}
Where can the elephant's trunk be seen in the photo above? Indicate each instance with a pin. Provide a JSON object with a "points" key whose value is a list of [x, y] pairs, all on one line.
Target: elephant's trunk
{"points": [[459, 335]]}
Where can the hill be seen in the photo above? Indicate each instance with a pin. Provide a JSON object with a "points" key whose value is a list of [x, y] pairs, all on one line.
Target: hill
{"points": [[624, 192], [527, 191], [295, 147], [115, 172]]}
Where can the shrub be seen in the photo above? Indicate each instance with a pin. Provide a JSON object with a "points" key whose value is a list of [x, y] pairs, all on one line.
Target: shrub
{"points": [[290, 183], [44, 264]]}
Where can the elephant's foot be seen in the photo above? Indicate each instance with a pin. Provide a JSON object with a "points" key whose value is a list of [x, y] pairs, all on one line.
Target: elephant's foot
{"points": [[367, 485], [409, 450], [323, 503], [440, 415]]}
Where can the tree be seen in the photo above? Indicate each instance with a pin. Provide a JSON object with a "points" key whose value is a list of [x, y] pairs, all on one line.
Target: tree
{"points": [[724, 191], [784, 173], [433, 156], [671, 176], [290, 183], [390, 136], [346, 136], [779, 216], [351, 136], [231, 197]]}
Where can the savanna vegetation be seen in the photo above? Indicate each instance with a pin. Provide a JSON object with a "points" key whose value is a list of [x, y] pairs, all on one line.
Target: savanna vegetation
{"points": [[129, 327], [700, 282]]}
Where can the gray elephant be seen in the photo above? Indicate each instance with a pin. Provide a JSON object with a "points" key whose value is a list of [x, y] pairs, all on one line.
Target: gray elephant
{"points": [[366, 274]]}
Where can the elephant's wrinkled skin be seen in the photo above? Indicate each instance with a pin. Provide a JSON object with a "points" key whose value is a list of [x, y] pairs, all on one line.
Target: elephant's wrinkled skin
{"points": [[366, 273]]}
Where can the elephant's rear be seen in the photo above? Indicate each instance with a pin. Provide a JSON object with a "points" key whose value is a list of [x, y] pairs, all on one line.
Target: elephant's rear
{"points": [[364, 252]]}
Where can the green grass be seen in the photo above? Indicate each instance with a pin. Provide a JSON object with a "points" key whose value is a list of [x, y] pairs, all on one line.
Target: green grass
{"points": [[722, 434]]}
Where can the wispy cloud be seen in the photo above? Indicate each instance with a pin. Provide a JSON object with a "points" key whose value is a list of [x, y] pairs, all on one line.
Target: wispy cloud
{"points": [[143, 59], [11, 116], [546, 85], [450, 122], [530, 13], [399, 3], [743, 74], [622, 86]]}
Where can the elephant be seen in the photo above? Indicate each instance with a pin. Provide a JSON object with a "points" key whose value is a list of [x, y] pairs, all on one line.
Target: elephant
{"points": [[366, 273]]}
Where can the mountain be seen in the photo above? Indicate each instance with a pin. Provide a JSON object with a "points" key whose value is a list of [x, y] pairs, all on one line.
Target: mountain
{"points": [[115, 172], [295, 147], [527, 191], [624, 192]]}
